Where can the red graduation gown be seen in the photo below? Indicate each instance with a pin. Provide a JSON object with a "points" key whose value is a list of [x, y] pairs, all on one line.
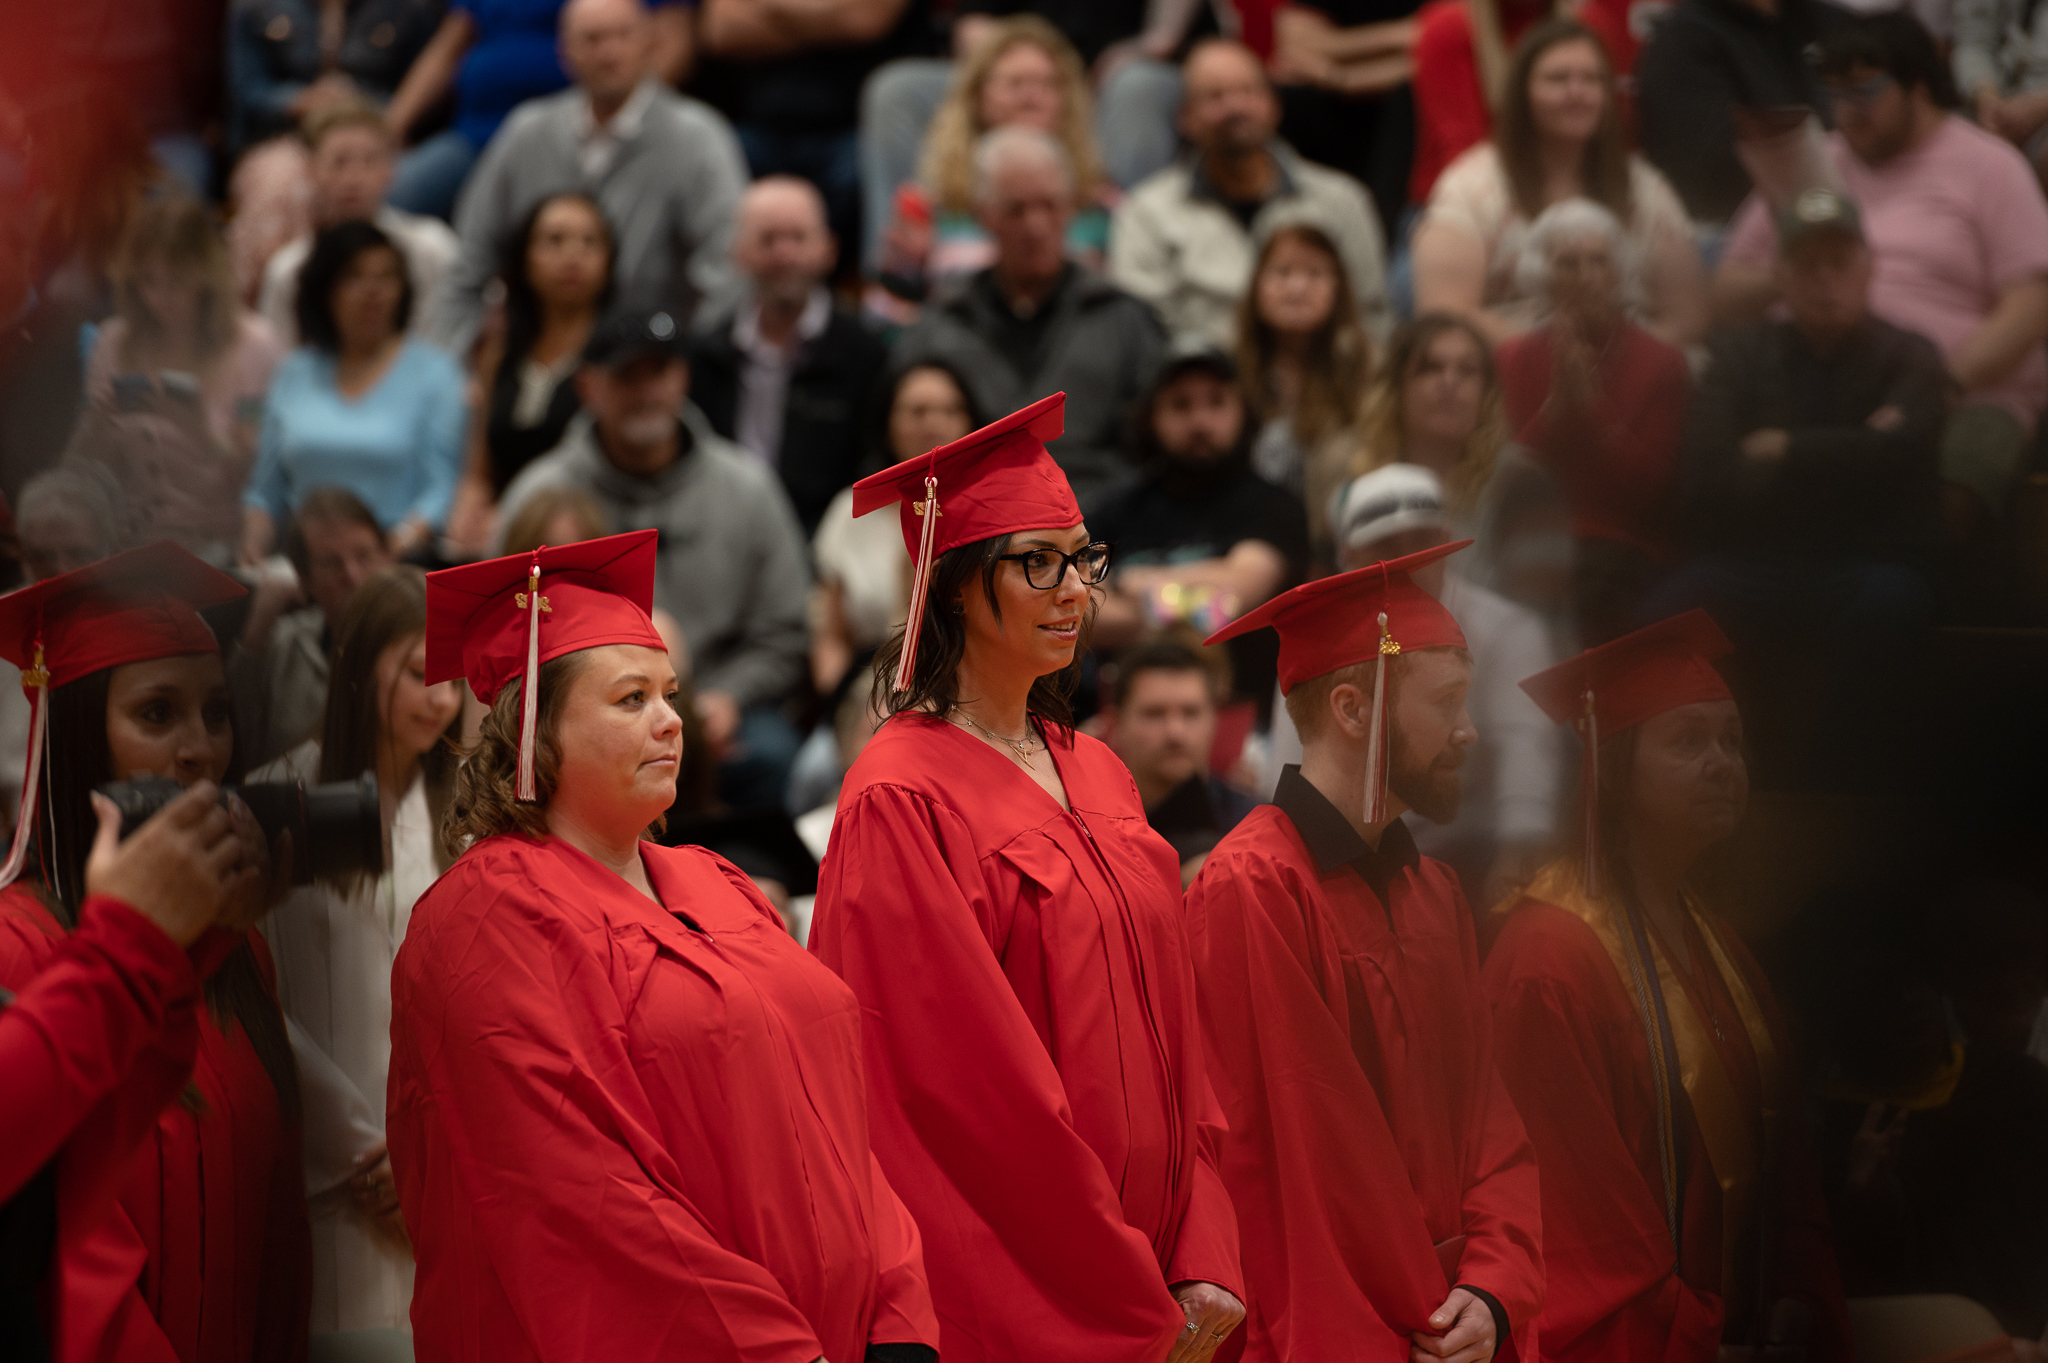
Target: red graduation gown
{"points": [[1033, 1047], [1351, 1048], [205, 1258], [1576, 1057], [618, 1138]]}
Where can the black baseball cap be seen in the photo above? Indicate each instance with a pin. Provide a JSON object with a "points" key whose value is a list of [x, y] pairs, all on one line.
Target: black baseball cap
{"points": [[1191, 351], [629, 333]]}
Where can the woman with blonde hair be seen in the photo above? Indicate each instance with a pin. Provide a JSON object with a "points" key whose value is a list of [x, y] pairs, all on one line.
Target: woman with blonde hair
{"points": [[1025, 74]]}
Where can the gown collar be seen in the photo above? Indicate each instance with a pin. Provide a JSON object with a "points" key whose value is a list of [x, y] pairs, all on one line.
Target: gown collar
{"points": [[1333, 842]]}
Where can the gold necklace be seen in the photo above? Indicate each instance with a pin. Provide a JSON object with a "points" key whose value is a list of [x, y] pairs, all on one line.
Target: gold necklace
{"points": [[1022, 747]]}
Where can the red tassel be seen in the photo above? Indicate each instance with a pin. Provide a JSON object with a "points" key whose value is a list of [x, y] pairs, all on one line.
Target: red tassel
{"points": [[529, 687], [920, 582]]}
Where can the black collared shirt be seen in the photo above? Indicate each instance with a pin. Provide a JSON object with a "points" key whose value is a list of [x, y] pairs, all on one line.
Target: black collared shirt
{"points": [[1333, 842], [1200, 186]]}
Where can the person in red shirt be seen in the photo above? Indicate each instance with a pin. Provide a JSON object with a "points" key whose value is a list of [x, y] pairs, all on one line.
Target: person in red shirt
{"points": [[203, 1254], [626, 1114], [1012, 926], [1385, 1191], [1681, 1215]]}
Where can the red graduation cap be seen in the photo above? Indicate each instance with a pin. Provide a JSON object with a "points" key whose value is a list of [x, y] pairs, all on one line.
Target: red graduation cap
{"points": [[1620, 684], [1370, 613], [996, 481], [497, 621], [130, 608]]}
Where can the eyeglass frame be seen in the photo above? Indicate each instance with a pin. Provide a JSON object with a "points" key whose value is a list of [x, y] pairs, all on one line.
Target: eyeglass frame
{"points": [[1066, 561], [1861, 94]]}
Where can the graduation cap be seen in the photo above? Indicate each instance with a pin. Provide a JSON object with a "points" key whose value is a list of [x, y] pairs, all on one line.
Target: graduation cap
{"points": [[130, 608], [1618, 685], [1371, 613], [996, 481], [497, 621]]}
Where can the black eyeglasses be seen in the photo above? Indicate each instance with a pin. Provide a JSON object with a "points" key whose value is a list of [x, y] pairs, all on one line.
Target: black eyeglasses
{"points": [[1045, 569]]}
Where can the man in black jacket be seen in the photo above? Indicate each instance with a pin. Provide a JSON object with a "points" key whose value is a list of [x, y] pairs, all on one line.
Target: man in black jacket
{"points": [[788, 374]]}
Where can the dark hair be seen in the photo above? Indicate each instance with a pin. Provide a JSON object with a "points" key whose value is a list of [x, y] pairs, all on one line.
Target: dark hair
{"points": [[942, 642], [522, 303], [1169, 650], [390, 607], [1895, 43], [1339, 354], [880, 453], [82, 758], [1604, 168], [334, 250], [485, 802], [329, 505]]}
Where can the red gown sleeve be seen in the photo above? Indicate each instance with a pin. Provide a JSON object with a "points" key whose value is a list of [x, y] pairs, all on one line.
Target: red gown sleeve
{"points": [[94, 1045], [519, 1047], [1614, 1288], [980, 1118], [1340, 1266], [1208, 1250]]}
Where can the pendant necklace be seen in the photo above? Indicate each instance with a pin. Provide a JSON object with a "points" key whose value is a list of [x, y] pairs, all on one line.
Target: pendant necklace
{"points": [[1022, 748]]}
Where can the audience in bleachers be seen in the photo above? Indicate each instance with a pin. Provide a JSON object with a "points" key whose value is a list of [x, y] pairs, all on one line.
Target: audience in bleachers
{"points": [[290, 60], [2001, 70], [1344, 68], [1186, 239]]}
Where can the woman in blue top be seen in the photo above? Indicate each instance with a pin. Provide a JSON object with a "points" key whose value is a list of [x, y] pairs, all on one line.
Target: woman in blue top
{"points": [[360, 404]]}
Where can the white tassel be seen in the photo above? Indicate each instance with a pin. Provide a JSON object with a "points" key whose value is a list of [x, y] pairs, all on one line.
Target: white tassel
{"points": [[1589, 766], [38, 736], [920, 583], [529, 688], [1376, 737]]}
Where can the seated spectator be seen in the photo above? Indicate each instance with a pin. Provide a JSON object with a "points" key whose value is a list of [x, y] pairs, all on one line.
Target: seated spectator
{"points": [[1958, 234], [1165, 699], [285, 64], [1514, 774], [1202, 539], [863, 589], [790, 78], [1461, 71], [1560, 137], [2001, 69], [557, 272], [492, 56], [1304, 360], [1343, 68], [279, 665], [1710, 74], [181, 345], [665, 169], [730, 567], [350, 168], [1034, 323], [359, 404], [785, 373], [1599, 403], [1186, 239], [1810, 477], [1022, 75], [68, 517]]}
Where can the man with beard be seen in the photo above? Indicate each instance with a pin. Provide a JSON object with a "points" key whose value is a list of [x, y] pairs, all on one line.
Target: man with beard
{"points": [[1202, 539], [1385, 1189]]}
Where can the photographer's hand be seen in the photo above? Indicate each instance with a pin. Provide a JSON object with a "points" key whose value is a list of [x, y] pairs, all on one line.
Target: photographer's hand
{"points": [[178, 869]]}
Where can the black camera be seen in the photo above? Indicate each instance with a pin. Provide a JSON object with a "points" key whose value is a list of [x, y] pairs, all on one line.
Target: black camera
{"points": [[336, 828]]}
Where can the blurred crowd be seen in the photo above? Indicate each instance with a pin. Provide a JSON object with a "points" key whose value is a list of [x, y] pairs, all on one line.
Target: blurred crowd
{"points": [[1736, 304]]}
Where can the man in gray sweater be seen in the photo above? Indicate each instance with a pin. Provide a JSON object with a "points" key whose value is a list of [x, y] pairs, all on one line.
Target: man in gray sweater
{"points": [[730, 567], [666, 169]]}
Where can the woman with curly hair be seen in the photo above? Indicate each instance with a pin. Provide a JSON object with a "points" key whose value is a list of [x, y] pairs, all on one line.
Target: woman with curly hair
{"points": [[627, 1115]]}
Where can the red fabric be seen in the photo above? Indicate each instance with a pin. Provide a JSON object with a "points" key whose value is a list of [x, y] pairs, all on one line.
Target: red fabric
{"points": [[1575, 1057], [1615, 461], [1334, 621], [1255, 25], [617, 1138], [1033, 1044], [1353, 1055], [593, 593], [1642, 674], [130, 608], [994, 481], [206, 1257]]}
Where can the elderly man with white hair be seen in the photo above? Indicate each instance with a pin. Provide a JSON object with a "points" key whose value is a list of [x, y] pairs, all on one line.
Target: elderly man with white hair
{"points": [[1600, 403], [665, 168], [1514, 774], [1035, 323]]}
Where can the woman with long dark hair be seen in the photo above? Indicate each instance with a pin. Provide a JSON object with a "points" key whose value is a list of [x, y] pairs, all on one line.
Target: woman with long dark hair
{"points": [[204, 1256], [1643, 1047], [1011, 925], [1559, 136], [627, 1116], [334, 941]]}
